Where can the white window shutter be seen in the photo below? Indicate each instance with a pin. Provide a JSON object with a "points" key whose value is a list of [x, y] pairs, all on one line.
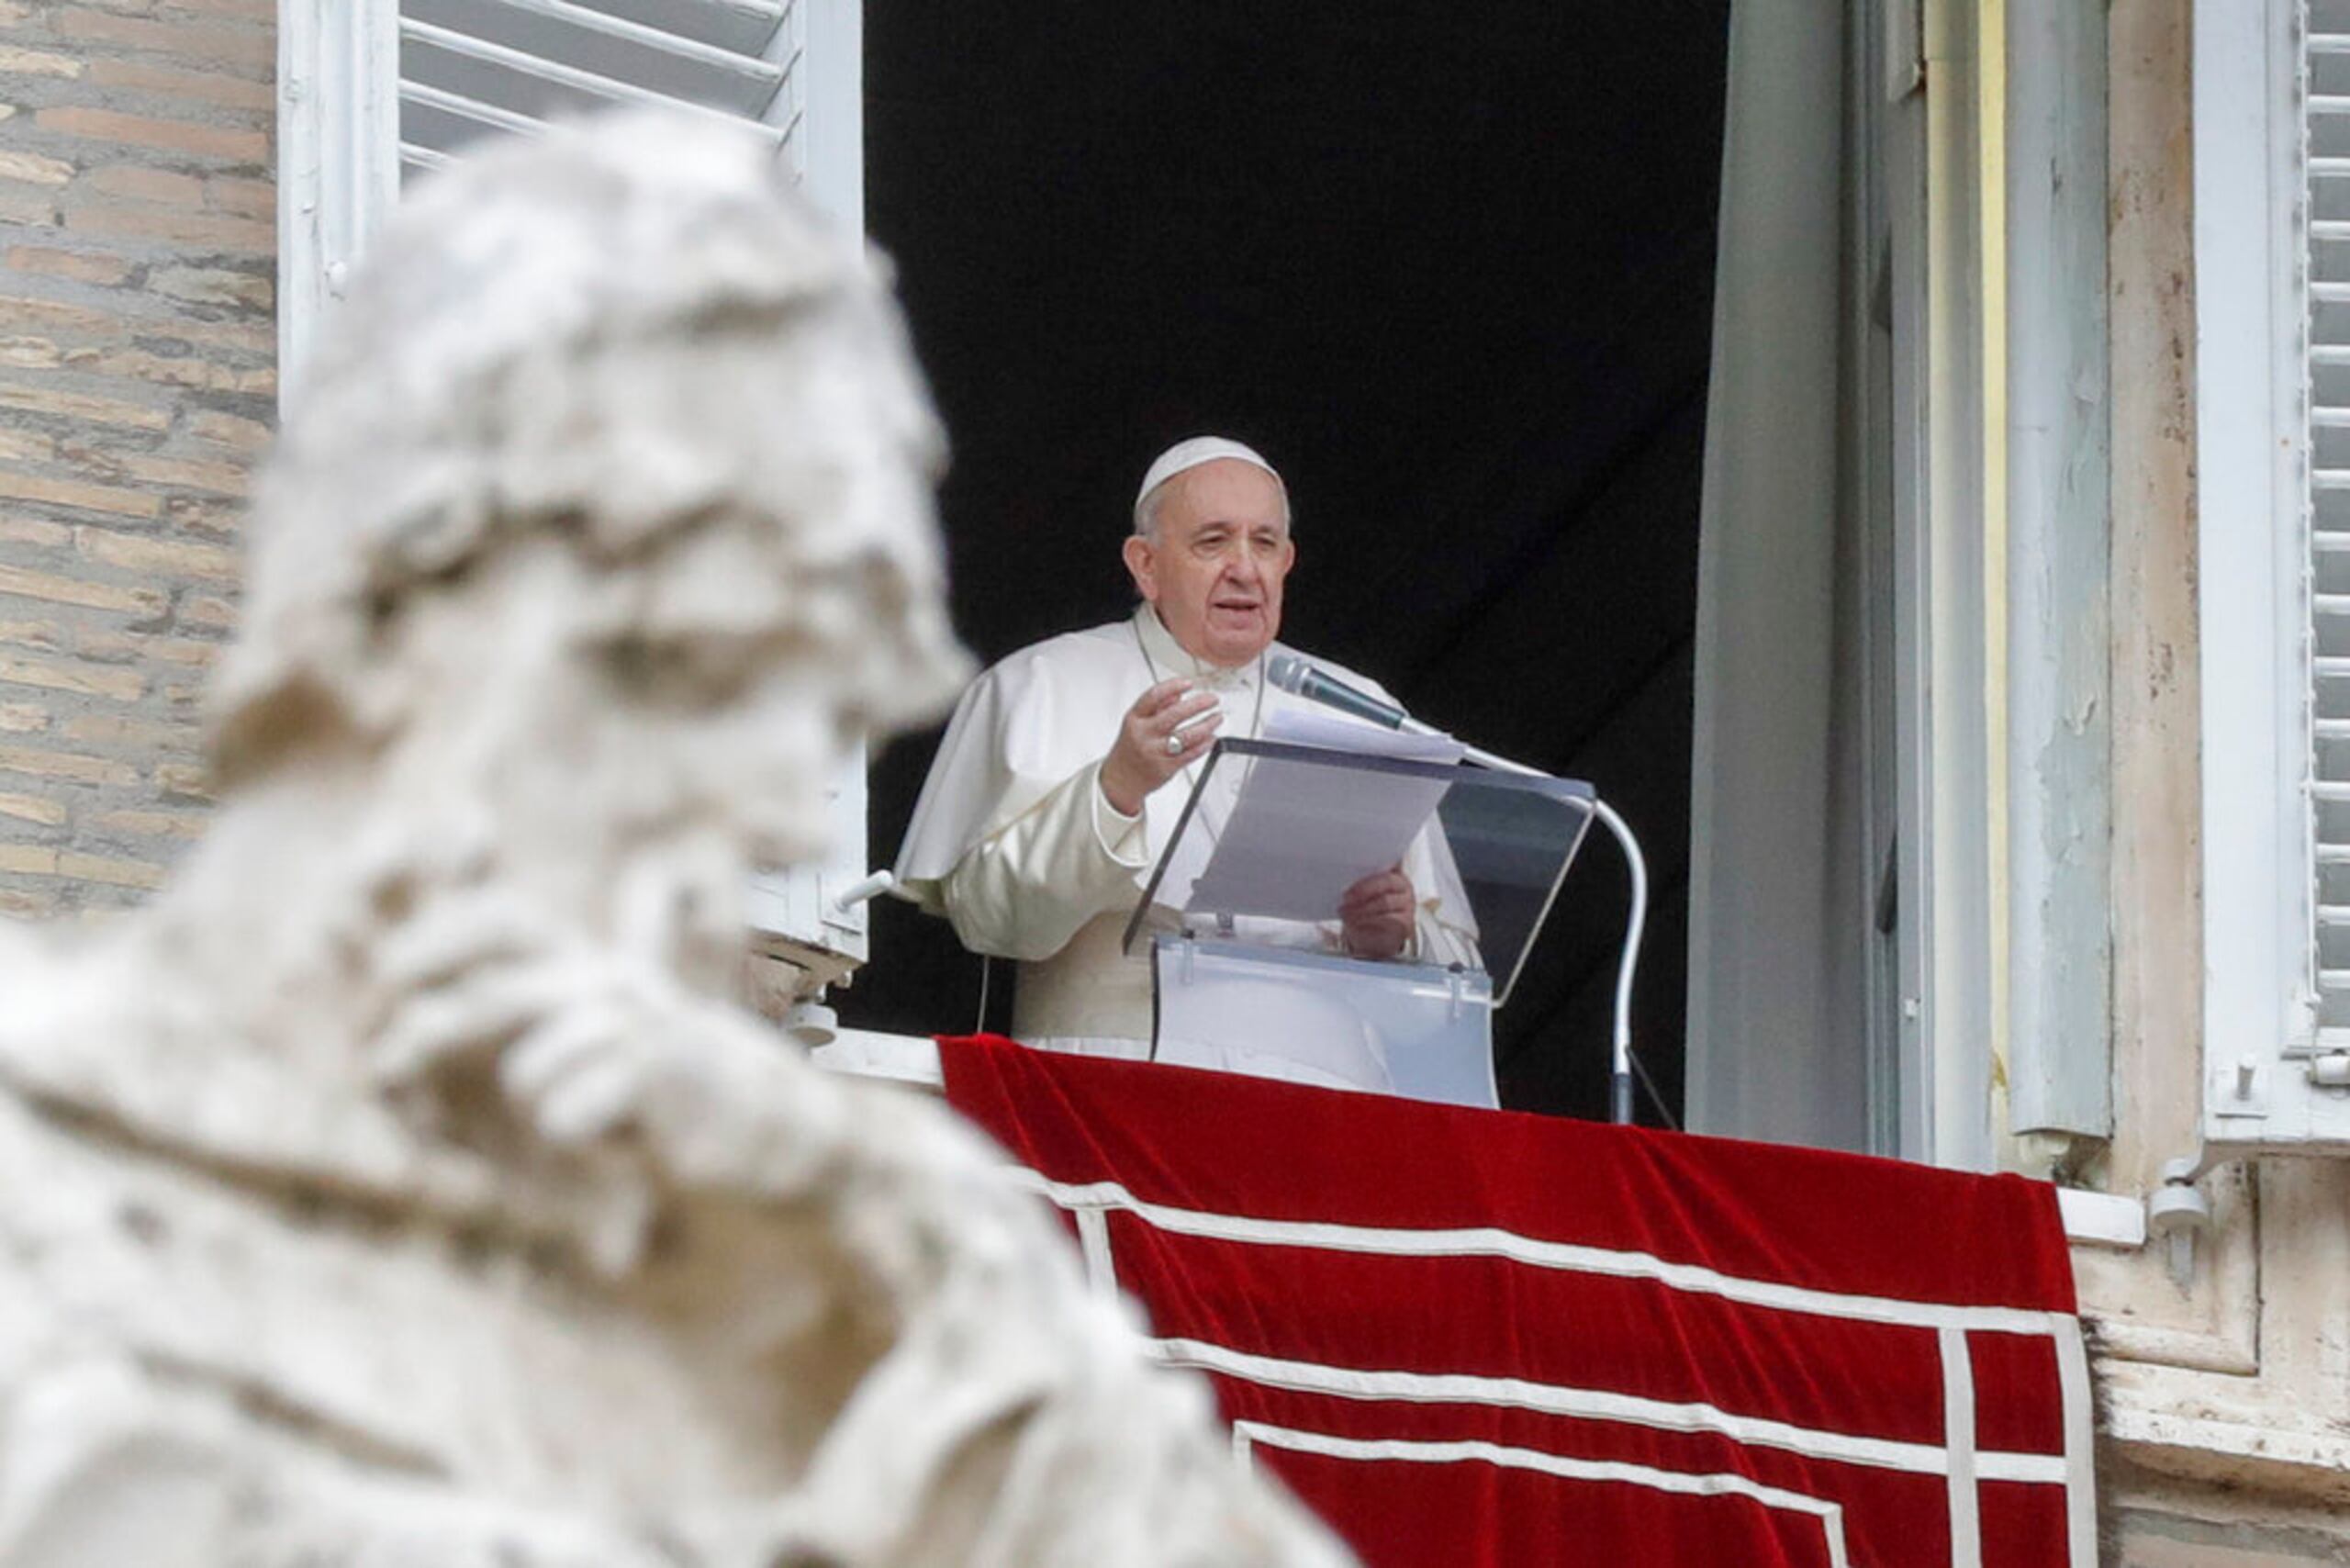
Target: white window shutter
{"points": [[471, 69], [797, 919], [2272, 190], [337, 122], [2320, 224], [376, 92]]}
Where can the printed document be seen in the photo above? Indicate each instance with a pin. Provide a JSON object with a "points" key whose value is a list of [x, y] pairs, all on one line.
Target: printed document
{"points": [[1300, 833]]}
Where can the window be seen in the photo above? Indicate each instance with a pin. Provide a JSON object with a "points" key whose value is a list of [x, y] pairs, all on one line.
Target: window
{"points": [[374, 93], [2272, 251]]}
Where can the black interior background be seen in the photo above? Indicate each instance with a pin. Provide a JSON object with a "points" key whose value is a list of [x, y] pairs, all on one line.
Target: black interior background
{"points": [[1450, 267]]}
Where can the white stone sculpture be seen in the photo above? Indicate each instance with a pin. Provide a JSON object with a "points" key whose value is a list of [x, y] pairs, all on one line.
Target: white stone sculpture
{"points": [[402, 1188]]}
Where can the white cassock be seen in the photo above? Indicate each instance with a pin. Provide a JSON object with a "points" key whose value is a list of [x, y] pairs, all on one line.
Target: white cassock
{"points": [[1015, 843]]}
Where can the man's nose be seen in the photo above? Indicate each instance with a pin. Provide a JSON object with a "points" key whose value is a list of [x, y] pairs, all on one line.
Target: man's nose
{"points": [[1244, 568]]}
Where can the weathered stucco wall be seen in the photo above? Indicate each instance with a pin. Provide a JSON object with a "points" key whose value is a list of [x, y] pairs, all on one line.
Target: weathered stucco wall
{"points": [[137, 380], [2222, 1395]]}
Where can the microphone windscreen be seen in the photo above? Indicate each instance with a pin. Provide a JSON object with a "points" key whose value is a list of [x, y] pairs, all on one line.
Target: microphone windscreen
{"points": [[1287, 671]]}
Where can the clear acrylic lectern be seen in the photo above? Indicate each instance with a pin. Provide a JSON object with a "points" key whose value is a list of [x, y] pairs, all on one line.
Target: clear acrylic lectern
{"points": [[1239, 920]]}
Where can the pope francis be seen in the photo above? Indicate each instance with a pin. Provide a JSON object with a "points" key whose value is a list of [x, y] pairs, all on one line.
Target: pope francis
{"points": [[1066, 766]]}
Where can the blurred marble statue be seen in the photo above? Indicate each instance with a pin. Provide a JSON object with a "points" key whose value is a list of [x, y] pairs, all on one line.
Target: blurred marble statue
{"points": [[402, 1188]]}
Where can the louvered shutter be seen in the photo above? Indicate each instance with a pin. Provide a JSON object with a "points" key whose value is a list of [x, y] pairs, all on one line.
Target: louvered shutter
{"points": [[469, 68], [375, 92], [2272, 294], [2325, 228], [475, 69]]}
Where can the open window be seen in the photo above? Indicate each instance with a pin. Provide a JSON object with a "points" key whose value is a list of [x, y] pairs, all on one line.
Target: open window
{"points": [[1840, 961]]}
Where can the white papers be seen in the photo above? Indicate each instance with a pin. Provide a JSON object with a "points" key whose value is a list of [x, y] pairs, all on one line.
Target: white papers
{"points": [[1332, 731], [1301, 834]]}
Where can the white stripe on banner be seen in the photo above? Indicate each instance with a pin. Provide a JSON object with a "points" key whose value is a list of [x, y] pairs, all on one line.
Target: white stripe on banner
{"points": [[1484, 1242], [2072, 1468], [1830, 1516], [1958, 1439], [1589, 1404], [1094, 1241], [2081, 1446]]}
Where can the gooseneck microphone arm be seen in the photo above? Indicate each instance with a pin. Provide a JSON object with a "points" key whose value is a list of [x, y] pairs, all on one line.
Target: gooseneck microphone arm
{"points": [[1294, 675], [1619, 1073]]}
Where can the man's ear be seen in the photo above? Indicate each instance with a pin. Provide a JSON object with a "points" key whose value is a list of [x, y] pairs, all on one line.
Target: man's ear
{"points": [[1142, 565]]}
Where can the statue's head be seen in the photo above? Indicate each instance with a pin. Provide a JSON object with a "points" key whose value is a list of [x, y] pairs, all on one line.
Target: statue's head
{"points": [[613, 464]]}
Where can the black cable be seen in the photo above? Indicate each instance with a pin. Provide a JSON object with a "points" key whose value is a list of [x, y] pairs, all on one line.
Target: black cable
{"points": [[1640, 1070]]}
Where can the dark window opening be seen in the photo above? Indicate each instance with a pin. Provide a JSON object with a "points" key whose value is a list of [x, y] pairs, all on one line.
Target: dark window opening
{"points": [[1451, 270]]}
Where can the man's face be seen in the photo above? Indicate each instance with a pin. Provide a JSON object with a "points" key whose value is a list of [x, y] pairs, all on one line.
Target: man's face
{"points": [[1214, 567]]}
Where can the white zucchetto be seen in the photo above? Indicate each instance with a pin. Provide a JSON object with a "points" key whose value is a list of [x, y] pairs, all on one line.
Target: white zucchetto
{"points": [[1189, 455]]}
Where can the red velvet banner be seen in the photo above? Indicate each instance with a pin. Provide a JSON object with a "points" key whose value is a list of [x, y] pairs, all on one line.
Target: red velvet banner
{"points": [[1470, 1338]]}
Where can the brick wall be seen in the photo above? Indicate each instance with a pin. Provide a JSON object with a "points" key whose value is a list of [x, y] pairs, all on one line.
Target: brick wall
{"points": [[137, 380]]}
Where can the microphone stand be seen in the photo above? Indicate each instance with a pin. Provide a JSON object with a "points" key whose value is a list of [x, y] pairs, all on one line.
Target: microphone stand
{"points": [[1619, 1083]]}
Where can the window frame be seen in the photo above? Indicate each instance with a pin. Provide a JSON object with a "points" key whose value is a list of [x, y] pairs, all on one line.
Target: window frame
{"points": [[2252, 541], [339, 165]]}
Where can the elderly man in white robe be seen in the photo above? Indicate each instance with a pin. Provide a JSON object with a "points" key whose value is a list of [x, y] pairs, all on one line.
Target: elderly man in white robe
{"points": [[1067, 765]]}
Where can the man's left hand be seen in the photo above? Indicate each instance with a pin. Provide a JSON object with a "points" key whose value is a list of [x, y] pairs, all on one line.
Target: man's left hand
{"points": [[1376, 914]]}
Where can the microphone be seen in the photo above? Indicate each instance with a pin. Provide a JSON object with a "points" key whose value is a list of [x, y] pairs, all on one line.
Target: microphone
{"points": [[1293, 674]]}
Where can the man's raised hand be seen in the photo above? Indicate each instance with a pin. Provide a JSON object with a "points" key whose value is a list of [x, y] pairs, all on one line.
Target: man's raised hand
{"points": [[1140, 760]]}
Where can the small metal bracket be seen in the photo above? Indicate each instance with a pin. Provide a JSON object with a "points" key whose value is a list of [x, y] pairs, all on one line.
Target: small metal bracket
{"points": [[2179, 1212], [812, 1023], [2331, 1070], [2241, 1087], [872, 885], [1190, 950]]}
